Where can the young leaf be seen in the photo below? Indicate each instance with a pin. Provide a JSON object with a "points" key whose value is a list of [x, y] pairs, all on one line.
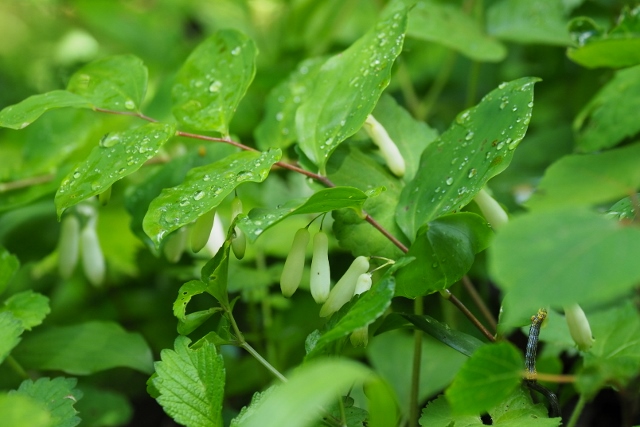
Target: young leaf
{"points": [[438, 414], [119, 154], [213, 80], [84, 349], [57, 395], [347, 88], [203, 189], [563, 257], [187, 323], [29, 307], [114, 83], [191, 384], [10, 331], [448, 25], [22, 411], [9, 264], [488, 377], [21, 115], [583, 180], [604, 122], [216, 272], [325, 200], [475, 148], [444, 250]]}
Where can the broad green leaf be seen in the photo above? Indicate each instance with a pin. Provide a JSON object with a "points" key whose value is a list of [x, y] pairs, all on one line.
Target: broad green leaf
{"points": [[350, 166], [325, 200], [213, 80], [187, 323], [383, 406], [22, 411], [84, 349], [615, 355], [444, 249], [347, 88], [191, 384], [118, 155], [623, 209], [410, 135], [583, 180], [203, 189], [9, 264], [488, 377], [114, 83], [529, 21], [438, 414], [29, 307], [103, 408], [296, 403], [57, 395], [10, 331], [247, 411], [475, 148], [278, 127], [21, 115], [605, 121], [449, 26], [562, 257]]}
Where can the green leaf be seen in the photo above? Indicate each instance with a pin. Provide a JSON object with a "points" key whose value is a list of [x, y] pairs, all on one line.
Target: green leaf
{"points": [[213, 80], [203, 189], [187, 323], [475, 148], [216, 272], [489, 376], [444, 249], [114, 83], [383, 409], [103, 408], [118, 155], [615, 355], [347, 88], [310, 387], [9, 264], [449, 26], [438, 414], [583, 180], [623, 209], [191, 384], [84, 349], [21, 115], [57, 395], [604, 122], [247, 411], [10, 331], [29, 307], [22, 411], [529, 21], [563, 257], [325, 200], [350, 166], [278, 127]]}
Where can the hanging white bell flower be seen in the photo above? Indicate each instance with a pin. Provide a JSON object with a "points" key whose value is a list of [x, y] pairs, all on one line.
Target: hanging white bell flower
{"points": [[344, 290], [320, 278], [175, 244], [294, 264], [579, 327], [92, 258], [239, 242], [492, 211], [68, 245], [201, 230], [388, 148]]}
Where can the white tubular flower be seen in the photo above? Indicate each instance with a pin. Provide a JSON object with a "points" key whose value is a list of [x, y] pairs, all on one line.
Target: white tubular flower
{"points": [[320, 280], [201, 230], [294, 265], [343, 291], [239, 242], [92, 258], [492, 211], [175, 244], [388, 148], [68, 246], [363, 284], [579, 327]]}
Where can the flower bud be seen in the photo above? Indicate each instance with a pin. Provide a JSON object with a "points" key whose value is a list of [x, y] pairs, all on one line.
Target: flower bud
{"points": [[360, 337], [239, 242], [388, 149], [201, 230], [294, 265], [492, 211], [175, 244], [320, 282], [343, 291], [92, 258], [68, 246], [363, 284], [579, 327]]}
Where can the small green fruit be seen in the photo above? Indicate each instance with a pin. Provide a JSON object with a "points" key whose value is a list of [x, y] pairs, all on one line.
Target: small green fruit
{"points": [[343, 291]]}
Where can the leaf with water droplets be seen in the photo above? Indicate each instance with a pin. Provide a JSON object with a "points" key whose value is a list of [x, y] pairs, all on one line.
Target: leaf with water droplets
{"points": [[477, 146], [213, 80], [278, 128], [325, 200], [118, 155], [26, 112], [444, 250], [348, 87], [114, 83], [448, 25], [203, 189]]}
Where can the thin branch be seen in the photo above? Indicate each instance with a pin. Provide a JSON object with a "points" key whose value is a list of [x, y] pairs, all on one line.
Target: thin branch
{"points": [[414, 410], [479, 302], [23, 183], [263, 361], [126, 113], [386, 233], [455, 301], [554, 378]]}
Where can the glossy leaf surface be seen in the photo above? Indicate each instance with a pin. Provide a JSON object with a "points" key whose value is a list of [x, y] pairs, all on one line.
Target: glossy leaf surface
{"points": [[57, 395], [21, 115], [475, 148]]}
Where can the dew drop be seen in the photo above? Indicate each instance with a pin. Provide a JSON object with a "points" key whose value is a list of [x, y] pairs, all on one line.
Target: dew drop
{"points": [[469, 136], [512, 144], [129, 104], [449, 181], [502, 85], [206, 178], [279, 116], [184, 202], [76, 174], [530, 105], [472, 173], [198, 195], [24, 125], [500, 145], [236, 51], [215, 86]]}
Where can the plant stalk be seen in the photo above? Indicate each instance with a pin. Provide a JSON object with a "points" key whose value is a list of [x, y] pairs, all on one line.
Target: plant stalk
{"points": [[414, 395], [575, 416]]}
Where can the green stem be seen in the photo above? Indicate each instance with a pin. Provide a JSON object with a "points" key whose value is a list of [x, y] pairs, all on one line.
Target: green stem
{"points": [[472, 89], [577, 411], [17, 367], [263, 361], [23, 183], [436, 88], [414, 396], [407, 89]]}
